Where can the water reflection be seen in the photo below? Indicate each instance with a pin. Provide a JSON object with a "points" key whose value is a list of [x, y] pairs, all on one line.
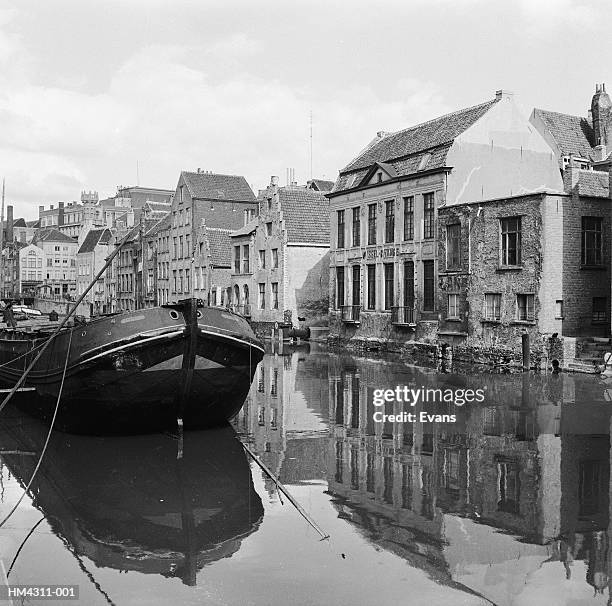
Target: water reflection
{"points": [[130, 504], [510, 503], [516, 491]]}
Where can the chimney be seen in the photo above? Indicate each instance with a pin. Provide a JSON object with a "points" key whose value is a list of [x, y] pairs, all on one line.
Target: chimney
{"points": [[274, 181], [60, 218], [600, 112], [571, 176], [41, 209], [51, 206], [9, 223]]}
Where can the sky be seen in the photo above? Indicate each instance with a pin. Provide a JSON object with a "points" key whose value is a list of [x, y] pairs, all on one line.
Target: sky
{"points": [[100, 94]]}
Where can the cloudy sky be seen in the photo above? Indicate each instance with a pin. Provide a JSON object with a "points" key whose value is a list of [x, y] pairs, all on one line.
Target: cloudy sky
{"points": [[90, 89]]}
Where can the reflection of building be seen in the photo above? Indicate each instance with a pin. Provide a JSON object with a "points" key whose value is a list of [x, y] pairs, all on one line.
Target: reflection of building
{"points": [[285, 412], [527, 461]]}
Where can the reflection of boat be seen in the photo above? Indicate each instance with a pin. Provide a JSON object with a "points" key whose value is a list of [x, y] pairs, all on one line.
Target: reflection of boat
{"points": [[130, 504], [143, 365]]}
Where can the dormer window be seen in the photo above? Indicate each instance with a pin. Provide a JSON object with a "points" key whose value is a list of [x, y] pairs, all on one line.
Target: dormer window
{"points": [[379, 177]]}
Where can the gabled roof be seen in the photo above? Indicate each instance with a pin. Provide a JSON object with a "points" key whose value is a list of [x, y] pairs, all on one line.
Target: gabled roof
{"points": [[52, 235], [19, 222], [320, 185], [219, 246], [572, 134], [435, 133], [93, 238], [210, 186], [246, 230], [35, 223], [306, 215]]}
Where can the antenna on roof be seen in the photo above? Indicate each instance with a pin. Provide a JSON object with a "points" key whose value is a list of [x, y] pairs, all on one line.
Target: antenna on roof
{"points": [[311, 144]]}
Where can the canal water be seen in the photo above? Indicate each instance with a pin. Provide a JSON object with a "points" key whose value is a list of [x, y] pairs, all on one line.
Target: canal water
{"points": [[508, 505]]}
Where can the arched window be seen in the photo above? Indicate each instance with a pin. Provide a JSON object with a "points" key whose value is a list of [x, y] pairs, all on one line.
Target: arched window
{"points": [[236, 295], [246, 294]]}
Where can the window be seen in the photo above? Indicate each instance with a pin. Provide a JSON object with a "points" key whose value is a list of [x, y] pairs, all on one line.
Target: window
{"points": [[453, 305], [356, 227], [237, 259], [187, 216], [510, 240], [187, 289], [559, 309], [372, 224], [453, 245], [428, 216], [428, 286], [508, 486], [275, 258], [181, 248], [340, 229], [245, 259], [180, 281], [339, 287], [356, 286], [274, 302], [525, 307], [492, 306], [389, 221], [409, 283], [262, 295], [269, 228], [371, 286], [388, 285], [262, 259], [591, 241], [599, 309], [409, 218]]}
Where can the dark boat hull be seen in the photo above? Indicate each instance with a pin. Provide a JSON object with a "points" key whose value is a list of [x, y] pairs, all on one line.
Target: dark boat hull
{"points": [[142, 369]]}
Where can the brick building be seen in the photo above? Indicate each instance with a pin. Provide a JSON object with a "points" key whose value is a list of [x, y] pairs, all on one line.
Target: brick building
{"points": [[385, 203], [536, 264], [203, 198], [280, 263]]}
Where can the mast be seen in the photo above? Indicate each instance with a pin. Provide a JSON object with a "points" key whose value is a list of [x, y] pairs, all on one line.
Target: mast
{"points": [[2, 243]]}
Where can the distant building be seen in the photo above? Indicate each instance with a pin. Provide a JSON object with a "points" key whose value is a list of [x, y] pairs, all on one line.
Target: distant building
{"points": [[320, 185], [59, 273], [30, 272], [90, 259], [218, 201], [280, 264]]}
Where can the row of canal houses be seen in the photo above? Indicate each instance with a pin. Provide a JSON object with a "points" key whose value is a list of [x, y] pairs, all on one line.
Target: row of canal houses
{"points": [[472, 230]]}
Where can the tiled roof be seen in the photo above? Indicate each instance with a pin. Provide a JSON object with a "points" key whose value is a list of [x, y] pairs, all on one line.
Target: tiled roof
{"points": [[593, 183], [165, 206], [416, 139], [93, 238], [210, 186], [219, 246], [158, 224], [306, 215], [245, 230], [52, 235], [19, 222], [320, 185], [429, 160], [573, 134]]}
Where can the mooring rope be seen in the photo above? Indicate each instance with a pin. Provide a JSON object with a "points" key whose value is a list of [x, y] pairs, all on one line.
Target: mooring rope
{"points": [[42, 454]]}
